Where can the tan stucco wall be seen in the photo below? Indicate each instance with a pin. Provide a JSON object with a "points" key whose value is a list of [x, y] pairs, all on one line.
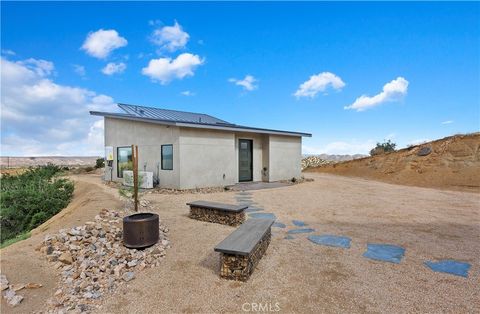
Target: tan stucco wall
{"points": [[149, 138], [207, 158], [285, 154]]}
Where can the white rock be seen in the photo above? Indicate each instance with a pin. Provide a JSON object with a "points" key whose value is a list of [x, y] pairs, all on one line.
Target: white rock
{"points": [[129, 275], [16, 300]]}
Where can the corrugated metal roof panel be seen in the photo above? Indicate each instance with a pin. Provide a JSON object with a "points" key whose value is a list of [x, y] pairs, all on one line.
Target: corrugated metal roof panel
{"points": [[170, 115]]}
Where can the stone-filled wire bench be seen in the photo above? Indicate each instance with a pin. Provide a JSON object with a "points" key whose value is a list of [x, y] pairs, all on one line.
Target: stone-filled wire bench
{"points": [[226, 214], [242, 249]]}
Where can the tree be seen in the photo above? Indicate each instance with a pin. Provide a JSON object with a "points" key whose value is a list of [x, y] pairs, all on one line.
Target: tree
{"points": [[382, 148]]}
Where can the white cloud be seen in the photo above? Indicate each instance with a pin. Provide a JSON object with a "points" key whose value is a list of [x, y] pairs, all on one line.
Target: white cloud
{"points": [[41, 67], [418, 141], [187, 93], [41, 117], [165, 70], [8, 52], [248, 83], [447, 122], [114, 68], [170, 38], [101, 43], [79, 69], [392, 91], [319, 83], [341, 148]]}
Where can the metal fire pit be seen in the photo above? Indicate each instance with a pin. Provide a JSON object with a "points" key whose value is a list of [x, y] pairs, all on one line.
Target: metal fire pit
{"points": [[140, 230]]}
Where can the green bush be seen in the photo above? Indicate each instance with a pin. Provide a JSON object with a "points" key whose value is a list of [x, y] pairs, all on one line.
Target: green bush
{"points": [[29, 199], [100, 163], [382, 148]]}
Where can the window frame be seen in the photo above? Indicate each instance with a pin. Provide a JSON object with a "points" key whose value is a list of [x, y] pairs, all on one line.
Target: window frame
{"points": [[161, 157], [120, 175]]}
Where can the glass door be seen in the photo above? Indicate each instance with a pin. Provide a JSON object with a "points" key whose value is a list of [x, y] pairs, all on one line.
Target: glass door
{"points": [[245, 160]]}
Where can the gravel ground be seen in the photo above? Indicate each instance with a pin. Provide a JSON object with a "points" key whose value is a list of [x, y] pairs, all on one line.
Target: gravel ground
{"points": [[297, 275]]}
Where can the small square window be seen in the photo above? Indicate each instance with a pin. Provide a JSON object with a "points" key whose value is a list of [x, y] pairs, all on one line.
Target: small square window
{"points": [[167, 157]]}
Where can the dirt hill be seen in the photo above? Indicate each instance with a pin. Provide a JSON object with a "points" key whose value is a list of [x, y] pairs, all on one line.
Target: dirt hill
{"points": [[452, 163]]}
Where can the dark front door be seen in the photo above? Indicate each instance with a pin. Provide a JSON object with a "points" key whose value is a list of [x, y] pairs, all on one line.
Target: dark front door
{"points": [[245, 160]]}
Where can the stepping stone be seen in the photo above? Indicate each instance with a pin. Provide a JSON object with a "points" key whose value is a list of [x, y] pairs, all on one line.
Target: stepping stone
{"points": [[450, 266], [263, 216], [279, 225], [299, 223], [331, 240], [384, 252], [304, 230], [243, 193], [289, 237], [253, 209]]}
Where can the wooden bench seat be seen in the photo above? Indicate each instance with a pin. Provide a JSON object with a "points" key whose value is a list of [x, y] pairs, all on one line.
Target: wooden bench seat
{"points": [[226, 214], [242, 249]]}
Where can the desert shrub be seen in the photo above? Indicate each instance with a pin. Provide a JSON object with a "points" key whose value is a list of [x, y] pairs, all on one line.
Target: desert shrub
{"points": [[29, 199], [89, 168], [381, 148], [100, 163]]}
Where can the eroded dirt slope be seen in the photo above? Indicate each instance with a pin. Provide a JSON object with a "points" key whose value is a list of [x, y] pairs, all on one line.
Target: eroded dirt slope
{"points": [[454, 163]]}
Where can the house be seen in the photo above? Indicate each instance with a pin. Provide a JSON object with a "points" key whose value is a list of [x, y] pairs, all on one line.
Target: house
{"points": [[187, 150]]}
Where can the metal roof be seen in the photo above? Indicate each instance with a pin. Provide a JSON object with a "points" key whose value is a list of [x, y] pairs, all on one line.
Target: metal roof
{"points": [[169, 115], [186, 119]]}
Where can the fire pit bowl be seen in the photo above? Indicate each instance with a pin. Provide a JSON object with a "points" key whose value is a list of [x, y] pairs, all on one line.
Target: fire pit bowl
{"points": [[140, 230]]}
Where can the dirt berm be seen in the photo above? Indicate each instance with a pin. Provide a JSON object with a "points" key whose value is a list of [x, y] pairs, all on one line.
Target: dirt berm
{"points": [[453, 163]]}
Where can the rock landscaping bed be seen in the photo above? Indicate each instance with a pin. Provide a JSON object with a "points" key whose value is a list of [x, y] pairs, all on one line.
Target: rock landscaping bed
{"points": [[91, 261], [314, 161]]}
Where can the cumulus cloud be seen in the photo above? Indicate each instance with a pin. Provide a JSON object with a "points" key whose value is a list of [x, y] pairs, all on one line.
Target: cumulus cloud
{"points": [[248, 83], [341, 148], [319, 83], [447, 122], [392, 91], [41, 117], [187, 93], [101, 43], [170, 38], [114, 68], [165, 70]]}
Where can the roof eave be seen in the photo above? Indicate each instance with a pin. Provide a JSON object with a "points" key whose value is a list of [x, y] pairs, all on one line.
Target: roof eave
{"points": [[237, 128]]}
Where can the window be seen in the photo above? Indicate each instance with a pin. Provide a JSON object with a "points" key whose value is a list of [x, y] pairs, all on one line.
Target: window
{"points": [[167, 157], [124, 160]]}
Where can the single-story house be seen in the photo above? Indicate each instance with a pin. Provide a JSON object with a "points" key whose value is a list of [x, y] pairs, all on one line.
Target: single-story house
{"points": [[187, 150]]}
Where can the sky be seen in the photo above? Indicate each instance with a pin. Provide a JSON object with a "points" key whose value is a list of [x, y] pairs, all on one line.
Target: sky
{"points": [[351, 74]]}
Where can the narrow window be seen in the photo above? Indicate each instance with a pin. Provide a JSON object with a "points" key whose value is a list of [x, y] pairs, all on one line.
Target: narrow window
{"points": [[124, 160], [167, 157]]}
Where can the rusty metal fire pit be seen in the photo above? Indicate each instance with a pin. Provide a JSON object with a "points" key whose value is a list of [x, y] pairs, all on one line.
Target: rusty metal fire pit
{"points": [[140, 230]]}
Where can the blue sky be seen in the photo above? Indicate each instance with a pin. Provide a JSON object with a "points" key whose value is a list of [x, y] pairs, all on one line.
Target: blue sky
{"points": [[415, 64]]}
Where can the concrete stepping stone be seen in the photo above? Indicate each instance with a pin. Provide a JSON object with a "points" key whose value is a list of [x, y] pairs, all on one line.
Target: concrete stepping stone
{"points": [[450, 266], [303, 230], [253, 209], [279, 225], [289, 237], [263, 216], [384, 252], [331, 240], [299, 223]]}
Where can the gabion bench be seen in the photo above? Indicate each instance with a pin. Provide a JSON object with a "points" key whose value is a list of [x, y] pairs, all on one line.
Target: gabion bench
{"points": [[232, 215], [242, 249]]}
